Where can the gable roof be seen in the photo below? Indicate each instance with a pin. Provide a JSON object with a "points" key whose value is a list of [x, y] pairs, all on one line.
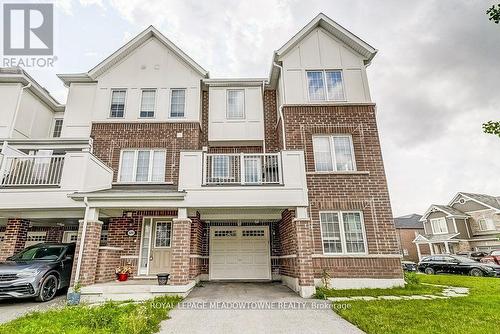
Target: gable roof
{"points": [[125, 50], [448, 210], [411, 221], [321, 20], [17, 74], [492, 202]]}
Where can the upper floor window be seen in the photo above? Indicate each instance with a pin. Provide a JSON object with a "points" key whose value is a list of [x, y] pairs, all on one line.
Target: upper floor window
{"points": [[343, 232], [333, 153], [486, 224], [117, 103], [177, 102], [325, 85], [236, 104], [148, 100], [439, 225], [142, 166], [56, 132]]}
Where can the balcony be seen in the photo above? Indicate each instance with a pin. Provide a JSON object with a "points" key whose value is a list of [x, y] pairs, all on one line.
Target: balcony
{"points": [[242, 169], [19, 171], [243, 180]]}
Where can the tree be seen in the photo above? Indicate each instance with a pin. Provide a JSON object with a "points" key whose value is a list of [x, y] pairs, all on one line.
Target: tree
{"points": [[494, 13], [492, 128]]}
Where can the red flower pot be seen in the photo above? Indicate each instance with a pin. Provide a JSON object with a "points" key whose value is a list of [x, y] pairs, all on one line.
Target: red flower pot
{"points": [[122, 277]]}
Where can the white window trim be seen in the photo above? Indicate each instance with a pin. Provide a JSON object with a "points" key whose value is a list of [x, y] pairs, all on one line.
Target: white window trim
{"points": [[332, 153], [170, 104], [342, 233], [155, 107], [488, 221], [150, 167], [243, 117], [439, 219], [52, 129], [111, 102], [327, 98], [154, 239]]}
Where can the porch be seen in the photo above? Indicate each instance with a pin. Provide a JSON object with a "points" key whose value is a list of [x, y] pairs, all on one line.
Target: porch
{"points": [[440, 244]]}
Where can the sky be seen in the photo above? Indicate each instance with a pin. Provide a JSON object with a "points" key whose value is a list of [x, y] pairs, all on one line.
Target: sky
{"points": [[435, 79]]}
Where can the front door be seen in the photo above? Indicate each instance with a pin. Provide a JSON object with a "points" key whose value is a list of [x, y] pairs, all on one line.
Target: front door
{"points": [[155, 246]]}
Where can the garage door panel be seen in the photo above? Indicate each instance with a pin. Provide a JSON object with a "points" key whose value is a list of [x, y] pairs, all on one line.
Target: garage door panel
{"points": [[241, 254]]}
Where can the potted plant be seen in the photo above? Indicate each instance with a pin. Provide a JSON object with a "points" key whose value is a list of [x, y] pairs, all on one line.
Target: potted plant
{"points": [[162, 278], [74, 294], [122, 273]]}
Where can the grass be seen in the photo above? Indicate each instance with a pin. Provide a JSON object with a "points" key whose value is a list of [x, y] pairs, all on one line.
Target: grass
{"points": [[476, 313], [109, 318], [409, 289]]}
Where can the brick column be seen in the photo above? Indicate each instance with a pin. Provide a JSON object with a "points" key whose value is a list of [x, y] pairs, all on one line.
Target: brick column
{"points": [[55, 234], [16, 233], [180, 245], [305, 272], [90, 252]]}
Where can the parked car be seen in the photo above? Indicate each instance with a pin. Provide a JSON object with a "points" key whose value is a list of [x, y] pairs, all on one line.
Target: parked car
{"points": [[477, 256], [455, 264], [37, 271], [409, 266], [493, 257]]}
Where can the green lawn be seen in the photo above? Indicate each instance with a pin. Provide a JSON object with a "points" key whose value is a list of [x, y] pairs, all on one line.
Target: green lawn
{"points": [[410, 289], [109, 318], [477, 313]]}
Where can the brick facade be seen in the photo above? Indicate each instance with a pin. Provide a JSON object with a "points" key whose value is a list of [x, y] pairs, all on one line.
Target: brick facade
{"points": [[90, 254], [15, 236], [107, 261], [180, 245], [405, 238]]}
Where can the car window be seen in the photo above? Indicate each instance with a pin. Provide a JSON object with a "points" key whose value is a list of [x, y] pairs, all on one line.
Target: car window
{"points": [[45, 253], [463, 259]]}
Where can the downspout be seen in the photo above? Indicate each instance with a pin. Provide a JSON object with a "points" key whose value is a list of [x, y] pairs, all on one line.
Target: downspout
{"points": [[280, 109], [264, 111], [18, 104], [82, 240]]}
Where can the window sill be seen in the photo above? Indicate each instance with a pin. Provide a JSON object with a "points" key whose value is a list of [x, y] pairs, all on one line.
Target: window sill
{"points": [[339, 173]]}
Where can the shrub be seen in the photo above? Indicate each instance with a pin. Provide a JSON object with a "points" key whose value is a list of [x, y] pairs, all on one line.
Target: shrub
{"points": [[411, 278]]}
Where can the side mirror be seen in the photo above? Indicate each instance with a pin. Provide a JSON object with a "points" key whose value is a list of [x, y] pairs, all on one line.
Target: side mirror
{"points": [[68, 257]]}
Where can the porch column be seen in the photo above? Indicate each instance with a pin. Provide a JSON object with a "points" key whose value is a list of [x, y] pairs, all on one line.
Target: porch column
{"points": [[446, 247], [87, 246], [16, 233], [180, 246], [431, 247], [305, 271], [418, 252]]}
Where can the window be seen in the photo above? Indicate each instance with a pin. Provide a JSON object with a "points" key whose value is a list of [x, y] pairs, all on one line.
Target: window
{"points": [[221, 166], [225, 233], [57, 128], [333, 153], [142, 166], [117, 103], [253, 170], [439, 226], [325, 85], [163, 234], [486, 224], [177, 102], [342, 232], [235, 104], [148, 103]]}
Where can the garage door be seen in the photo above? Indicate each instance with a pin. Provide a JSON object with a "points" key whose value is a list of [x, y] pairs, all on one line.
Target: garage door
{"points": [[239, 253]]}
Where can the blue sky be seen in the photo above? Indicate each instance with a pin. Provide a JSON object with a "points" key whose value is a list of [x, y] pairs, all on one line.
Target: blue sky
{"points": [[435, 78]]}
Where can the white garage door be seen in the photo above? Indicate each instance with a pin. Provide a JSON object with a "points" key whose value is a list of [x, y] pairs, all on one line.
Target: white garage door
{"points": [[239, 253]]}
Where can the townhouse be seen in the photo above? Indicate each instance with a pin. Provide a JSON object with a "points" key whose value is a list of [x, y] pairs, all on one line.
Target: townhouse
{"points": [[158, 166]]}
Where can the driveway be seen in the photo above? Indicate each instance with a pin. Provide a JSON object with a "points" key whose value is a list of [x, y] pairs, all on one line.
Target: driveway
{"points": [[253, 308], [14, 308]]}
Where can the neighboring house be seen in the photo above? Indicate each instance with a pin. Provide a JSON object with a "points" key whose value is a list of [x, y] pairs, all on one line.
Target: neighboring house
{"points": [[468, 222], [277, 178], [408, 228]]}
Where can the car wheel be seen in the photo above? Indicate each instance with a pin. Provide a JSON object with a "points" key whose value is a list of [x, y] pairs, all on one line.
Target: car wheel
{"points": [[429, 271], [48, 289], [476, 272]]}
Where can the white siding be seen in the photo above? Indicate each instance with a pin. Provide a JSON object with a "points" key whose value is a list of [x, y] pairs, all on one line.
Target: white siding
{"points": [[34, 118], [321, 51], [250, 128], [9, 93]]}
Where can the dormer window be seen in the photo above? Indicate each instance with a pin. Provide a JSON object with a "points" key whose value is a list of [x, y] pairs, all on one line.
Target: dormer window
{"points": [[235, 104], [325, 85], [439, 226]]}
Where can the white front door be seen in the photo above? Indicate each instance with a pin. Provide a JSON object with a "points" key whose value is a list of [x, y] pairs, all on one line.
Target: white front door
{"points": [[239, 253]]}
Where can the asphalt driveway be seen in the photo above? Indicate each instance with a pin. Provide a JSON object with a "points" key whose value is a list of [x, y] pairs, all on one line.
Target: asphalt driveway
{"points": [[14, 308], [252, 308]]}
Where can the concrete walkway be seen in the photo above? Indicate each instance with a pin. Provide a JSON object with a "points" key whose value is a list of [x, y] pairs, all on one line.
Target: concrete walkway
{"points": [[253, 308]]}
